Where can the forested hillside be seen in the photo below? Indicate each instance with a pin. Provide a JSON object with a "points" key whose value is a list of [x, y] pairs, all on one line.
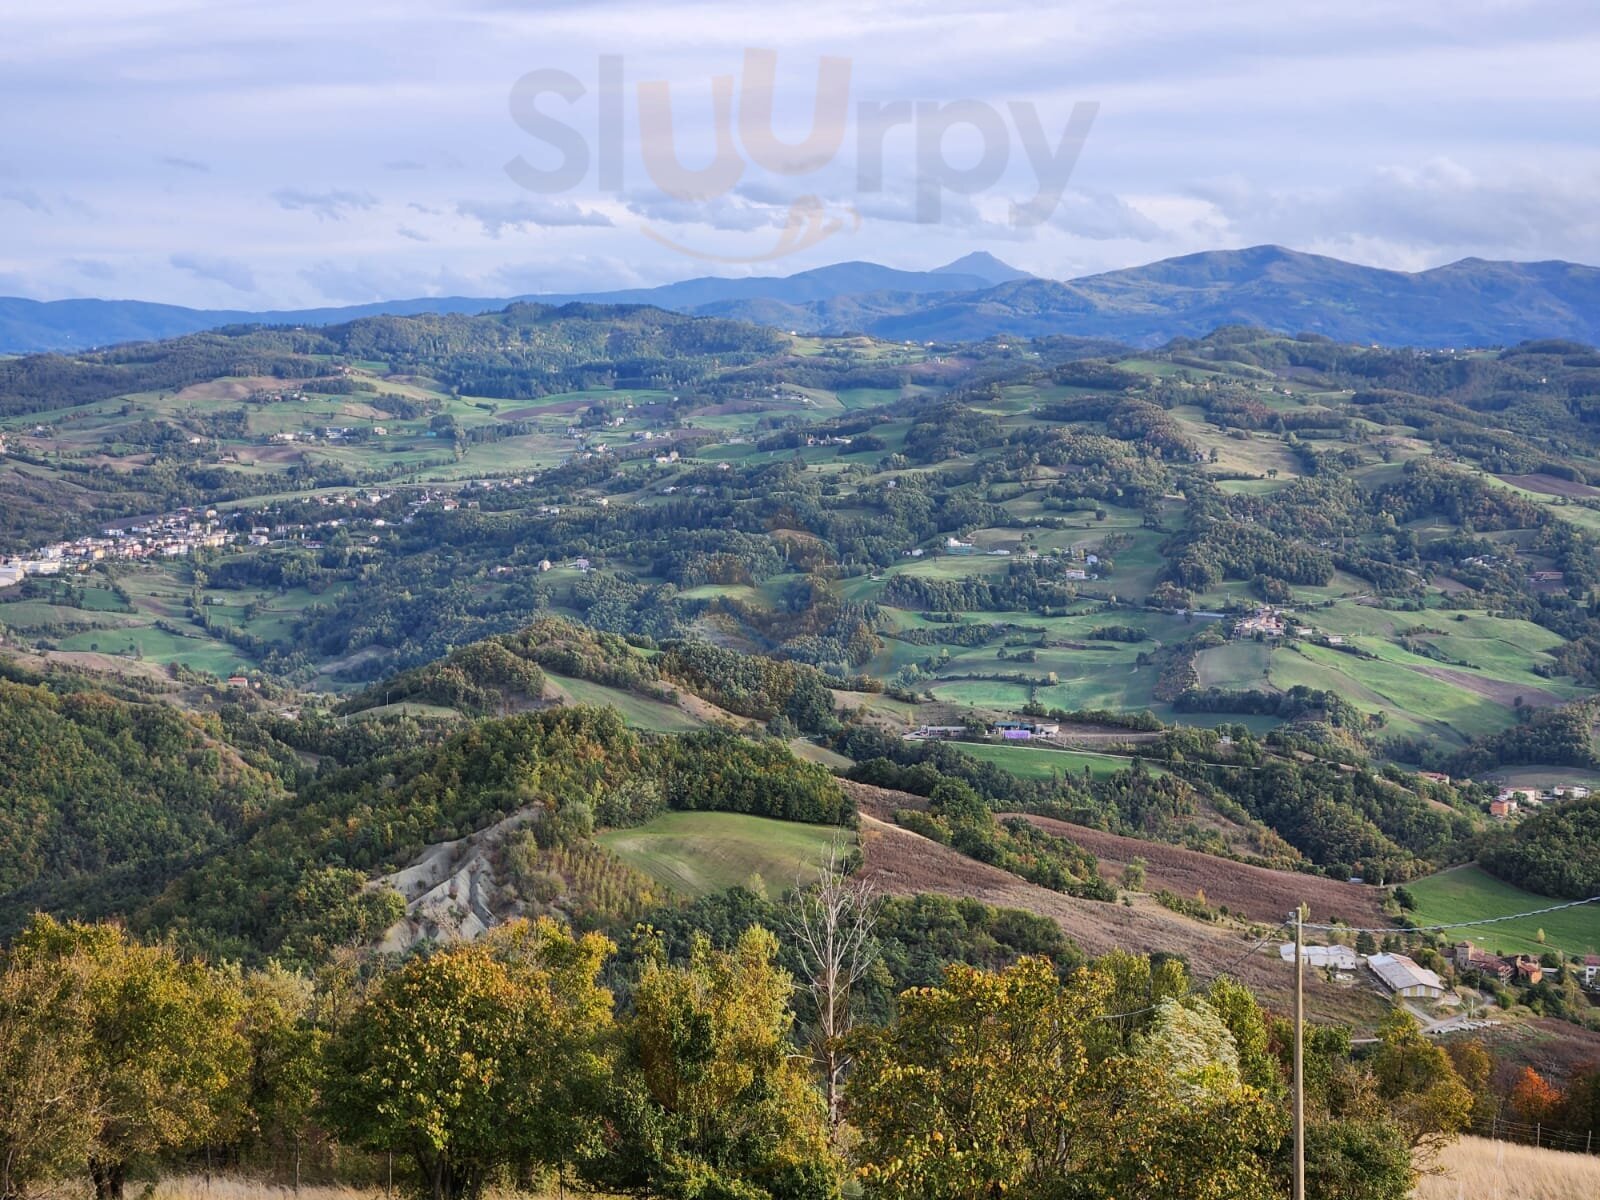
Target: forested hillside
{"points": [[1556, 853], [100, 797]]}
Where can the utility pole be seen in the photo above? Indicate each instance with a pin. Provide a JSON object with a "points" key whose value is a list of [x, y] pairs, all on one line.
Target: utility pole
{"points": [[1299, 1056]]}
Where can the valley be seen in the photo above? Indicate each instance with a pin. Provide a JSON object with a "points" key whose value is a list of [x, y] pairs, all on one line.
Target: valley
{"points": [[624, 619]]}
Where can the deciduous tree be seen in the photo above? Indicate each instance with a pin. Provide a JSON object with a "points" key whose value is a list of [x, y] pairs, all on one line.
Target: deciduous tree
{"points": [[164, 1049], [476, 1058], [712, 1102]]}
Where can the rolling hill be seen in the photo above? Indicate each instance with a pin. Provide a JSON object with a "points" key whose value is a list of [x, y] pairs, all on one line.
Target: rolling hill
{"points": [[1473, 302]]}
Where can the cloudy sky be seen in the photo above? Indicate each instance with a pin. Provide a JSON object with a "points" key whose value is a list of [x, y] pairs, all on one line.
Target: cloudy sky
{"points": [[289, 153]]}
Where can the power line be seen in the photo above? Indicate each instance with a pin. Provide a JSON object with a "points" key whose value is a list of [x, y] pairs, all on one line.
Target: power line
{"points": [[1272, 934], [1535, 912]]}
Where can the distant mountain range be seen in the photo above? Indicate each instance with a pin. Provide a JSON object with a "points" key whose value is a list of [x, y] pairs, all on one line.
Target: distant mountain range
{"points": [[1467, 303]]}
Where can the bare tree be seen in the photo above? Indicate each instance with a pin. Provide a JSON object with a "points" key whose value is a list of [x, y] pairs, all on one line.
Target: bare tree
{"points": [[831, 923]]}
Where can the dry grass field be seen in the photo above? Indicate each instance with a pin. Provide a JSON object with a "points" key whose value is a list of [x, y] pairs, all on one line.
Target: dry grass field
{"points": [[903, 863], [1478, 1169], [228, 1187], [1257, 892]]}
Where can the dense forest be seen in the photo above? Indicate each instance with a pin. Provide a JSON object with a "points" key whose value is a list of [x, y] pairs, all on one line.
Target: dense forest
{"points": [[1556, 852]]}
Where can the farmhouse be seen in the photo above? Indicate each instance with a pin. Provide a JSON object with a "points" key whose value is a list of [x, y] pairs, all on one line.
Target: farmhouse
{"points": [[1469, 958], [1024, 730], [1590, 970], [1405, 978]]}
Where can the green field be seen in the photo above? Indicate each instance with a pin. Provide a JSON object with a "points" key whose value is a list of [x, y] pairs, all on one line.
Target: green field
{"points": [[638, 711], [1037, 762], [1470, 894], [697, 853], [198, 653]]}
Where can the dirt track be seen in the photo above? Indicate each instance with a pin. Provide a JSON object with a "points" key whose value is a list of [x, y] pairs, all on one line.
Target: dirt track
{"points": [[1550, 485]]}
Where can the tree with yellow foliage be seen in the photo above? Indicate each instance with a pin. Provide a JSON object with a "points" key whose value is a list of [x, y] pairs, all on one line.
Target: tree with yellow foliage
{"points": [[1004, 1083], [162, 1054], [712, 1100], [479, 1058]]}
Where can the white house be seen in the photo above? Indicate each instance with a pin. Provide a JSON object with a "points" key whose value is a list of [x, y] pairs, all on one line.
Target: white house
{"points": [[1340, 958]]}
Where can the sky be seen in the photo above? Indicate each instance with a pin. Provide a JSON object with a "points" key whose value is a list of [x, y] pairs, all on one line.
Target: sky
{"points": [[245, 155]]}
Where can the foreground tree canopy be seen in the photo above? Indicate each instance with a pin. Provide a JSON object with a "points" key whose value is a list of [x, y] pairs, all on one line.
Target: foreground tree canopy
{"points": [[508, 1062]]}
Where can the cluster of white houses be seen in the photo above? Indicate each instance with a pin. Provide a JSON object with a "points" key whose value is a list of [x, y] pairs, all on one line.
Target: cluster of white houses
{"points": [[1512, 800], [173, 536], [1011, 731], [1270, 623]]}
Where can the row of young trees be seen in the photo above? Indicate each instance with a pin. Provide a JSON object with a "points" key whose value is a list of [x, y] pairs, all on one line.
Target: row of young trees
{"points": [[507, 1062]]}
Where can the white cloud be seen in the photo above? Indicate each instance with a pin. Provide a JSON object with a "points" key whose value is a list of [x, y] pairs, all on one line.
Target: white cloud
{"points": [[228, 271], [1426, 213], [496, 216], [332, 205]]}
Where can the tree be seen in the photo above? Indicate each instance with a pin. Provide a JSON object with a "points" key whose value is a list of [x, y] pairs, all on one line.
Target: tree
{"points": [[1534, 1099], [831, 926], [1002, 1083], [1133, 875], [1425, 1096], [711, 1102], [164, 1050], [1474, 1065], [976, 1080], [478, 1057], [48, 1106], [287, 1054], [1358, 1160]]}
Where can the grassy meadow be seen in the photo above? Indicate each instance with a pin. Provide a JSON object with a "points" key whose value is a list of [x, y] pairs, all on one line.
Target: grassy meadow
{"points": [[1471, 894], [697, 853], [1038, 762]]}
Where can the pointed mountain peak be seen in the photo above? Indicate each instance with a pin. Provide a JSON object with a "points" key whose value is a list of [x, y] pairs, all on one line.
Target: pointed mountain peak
{"points": [[984, 265]]}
